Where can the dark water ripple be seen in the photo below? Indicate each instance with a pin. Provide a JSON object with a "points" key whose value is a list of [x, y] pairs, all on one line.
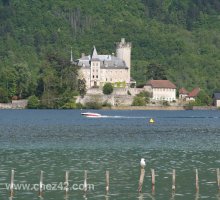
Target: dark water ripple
{"points": [[55, 141]]}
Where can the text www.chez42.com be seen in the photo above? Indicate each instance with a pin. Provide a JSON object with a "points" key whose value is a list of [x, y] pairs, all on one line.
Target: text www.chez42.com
{"points": [[48, 187]]}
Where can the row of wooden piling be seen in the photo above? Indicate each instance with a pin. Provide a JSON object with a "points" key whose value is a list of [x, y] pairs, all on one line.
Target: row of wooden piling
{"points": [[153, 180], [107, 177]]}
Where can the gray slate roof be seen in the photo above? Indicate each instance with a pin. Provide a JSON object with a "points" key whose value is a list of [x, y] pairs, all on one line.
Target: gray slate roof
{"points": [[107, 61], [216, 96]]}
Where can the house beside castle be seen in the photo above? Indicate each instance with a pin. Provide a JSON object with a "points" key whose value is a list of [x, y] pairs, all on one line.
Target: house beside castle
{"points": [[98, 69], [161, 90], [188, 96], [216, 98]]}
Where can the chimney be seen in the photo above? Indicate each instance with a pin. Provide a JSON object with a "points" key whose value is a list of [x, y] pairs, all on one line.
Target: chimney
{"points": [[82, 55]]}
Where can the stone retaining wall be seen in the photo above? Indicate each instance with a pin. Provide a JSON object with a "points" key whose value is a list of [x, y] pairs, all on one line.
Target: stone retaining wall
{"points": [[15, 104]]}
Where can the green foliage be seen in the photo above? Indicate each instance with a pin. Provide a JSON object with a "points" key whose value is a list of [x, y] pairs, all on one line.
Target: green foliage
{"points": [[165, 103], [107, 88], [106, 104], [128, 92], [138, 101], [156, 72], [141, 99], [71, 104], [82, 87], [177, 40], [3, 96], [145, 95], [188, 106], [93, 105], [203, 99], [33, 102]]}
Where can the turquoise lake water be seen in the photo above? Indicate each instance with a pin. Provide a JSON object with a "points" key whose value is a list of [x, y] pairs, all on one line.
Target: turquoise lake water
{"points": [[58, 140]]}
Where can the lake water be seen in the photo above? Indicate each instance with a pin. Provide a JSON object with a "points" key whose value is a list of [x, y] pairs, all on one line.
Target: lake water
{"points": [[58, 140]]}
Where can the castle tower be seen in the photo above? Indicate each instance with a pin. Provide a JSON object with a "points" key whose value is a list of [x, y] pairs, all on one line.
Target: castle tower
{"points": [[94, 69], [123, 51]]}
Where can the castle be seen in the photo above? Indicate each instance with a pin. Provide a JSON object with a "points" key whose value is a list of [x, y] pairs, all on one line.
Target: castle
{"points": [[98, 69]]}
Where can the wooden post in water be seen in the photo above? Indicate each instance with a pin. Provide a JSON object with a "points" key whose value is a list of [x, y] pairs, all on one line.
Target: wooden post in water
{"points": [[197, 181], [174, 180], [66, 183], [141, 180], [218, 178], [12, 183], [153, 180], [107, 181], [85, 182], [41, 184]]}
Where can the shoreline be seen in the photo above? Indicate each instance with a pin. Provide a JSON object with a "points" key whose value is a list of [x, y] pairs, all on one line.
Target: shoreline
{"points": [[159, 108]]}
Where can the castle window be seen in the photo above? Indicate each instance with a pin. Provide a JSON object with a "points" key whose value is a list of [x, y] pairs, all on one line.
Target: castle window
{"points": [[93, 76], [106, 79], [96, 76]]}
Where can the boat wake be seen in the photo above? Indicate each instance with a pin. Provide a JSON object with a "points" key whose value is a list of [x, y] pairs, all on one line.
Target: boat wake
{"points": [[124, 117]]}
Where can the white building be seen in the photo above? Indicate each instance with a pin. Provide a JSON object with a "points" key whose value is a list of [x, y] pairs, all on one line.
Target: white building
{"points": [[216, 98], [183, 93], [193, 94], [98, 69], [161, 90]]}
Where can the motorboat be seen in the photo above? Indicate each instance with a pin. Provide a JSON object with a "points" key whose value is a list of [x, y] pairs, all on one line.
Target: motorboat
{"points": [[90, 114]]}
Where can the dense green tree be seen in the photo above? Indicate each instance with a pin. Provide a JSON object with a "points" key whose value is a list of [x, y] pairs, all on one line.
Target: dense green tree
{"points": [[144, 95], [107, 88], [156, 72], [138, 101], [3, 96], [33, 102], [82, 87], [203, 99], [176, 40]]}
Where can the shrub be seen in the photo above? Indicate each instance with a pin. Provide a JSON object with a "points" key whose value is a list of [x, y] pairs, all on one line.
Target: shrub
{"points": [[33, 102], [107, 88], [145, 95], [188, 106], [128, 92], [79, 105], [70, 105], [93, 105], [106, 104], [138, 101], [165, 103]]}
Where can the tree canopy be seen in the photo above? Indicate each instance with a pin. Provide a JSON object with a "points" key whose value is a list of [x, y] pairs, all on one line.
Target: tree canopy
{"points": [[177, 40]]}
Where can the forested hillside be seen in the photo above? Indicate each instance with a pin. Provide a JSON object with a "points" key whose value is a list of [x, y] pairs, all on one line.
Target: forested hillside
{"points": [[179, 40]]}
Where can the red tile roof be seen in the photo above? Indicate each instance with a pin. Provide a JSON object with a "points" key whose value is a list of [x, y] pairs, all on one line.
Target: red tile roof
{"points": [[161, 84], [183, 91], [194, 92]]}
